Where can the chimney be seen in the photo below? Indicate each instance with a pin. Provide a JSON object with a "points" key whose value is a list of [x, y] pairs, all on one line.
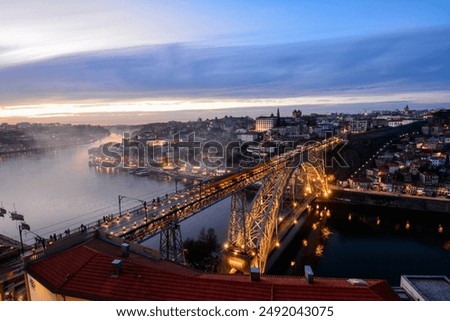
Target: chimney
{"points": [[116, 268], [125, 247], [255, 274], [309, 275]]}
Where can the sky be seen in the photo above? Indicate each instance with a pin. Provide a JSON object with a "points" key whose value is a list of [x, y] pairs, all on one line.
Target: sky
{"points": [[139, 61]]}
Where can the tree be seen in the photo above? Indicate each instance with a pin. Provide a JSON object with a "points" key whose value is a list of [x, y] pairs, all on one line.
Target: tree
{"points": [[203, 253]]}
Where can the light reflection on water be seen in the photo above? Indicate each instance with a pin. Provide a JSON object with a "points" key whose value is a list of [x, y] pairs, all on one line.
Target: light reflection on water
{"points": [[58, 190], [369, 243]]}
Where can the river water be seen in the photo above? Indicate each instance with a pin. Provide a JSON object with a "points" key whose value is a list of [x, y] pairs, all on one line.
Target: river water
{"points": [[369, 242], [58, 190]]}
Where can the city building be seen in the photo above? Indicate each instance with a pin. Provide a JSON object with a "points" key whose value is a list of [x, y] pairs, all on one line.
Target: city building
{"points": [[429, 178], [284, 126], [359, 182], [400, 122], [414, 168], [12, 285], [392, 167], [263, 123], [248, 136], [437, 161], [297, 114], [359, 125]]}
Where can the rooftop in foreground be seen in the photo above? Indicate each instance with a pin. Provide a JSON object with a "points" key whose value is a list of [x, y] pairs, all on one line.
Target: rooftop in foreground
{"points": [[427, 288], [85, 271]]}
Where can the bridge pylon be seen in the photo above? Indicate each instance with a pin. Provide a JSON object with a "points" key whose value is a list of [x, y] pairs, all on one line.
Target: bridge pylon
{"points": [[171, 243], [236, 256], [237, 233]]}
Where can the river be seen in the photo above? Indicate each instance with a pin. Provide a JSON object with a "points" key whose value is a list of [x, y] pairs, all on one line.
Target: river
{"points": [[58, 190], [369, 242]]}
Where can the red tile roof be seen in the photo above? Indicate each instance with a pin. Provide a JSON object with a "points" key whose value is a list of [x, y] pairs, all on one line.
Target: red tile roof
{"points": [[85, 271]]}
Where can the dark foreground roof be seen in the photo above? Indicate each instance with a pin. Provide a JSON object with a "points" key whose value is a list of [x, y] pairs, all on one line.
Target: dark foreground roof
{"points": [[85, 271]]}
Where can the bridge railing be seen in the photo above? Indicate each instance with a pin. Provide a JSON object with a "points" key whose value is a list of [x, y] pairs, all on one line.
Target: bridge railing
{"points": [[240, 181]]}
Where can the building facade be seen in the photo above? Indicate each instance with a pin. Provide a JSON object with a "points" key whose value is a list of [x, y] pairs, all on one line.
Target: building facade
{"points": [[263, 123]]}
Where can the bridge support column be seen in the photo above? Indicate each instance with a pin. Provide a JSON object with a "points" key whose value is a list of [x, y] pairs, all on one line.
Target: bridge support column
{"points": [[237, 234], [171, 243]]}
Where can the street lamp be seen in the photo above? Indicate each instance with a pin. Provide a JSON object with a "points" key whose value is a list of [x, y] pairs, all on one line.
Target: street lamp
{"points": [[23, 226], [145, 210], [120, 205], [144, 204]]}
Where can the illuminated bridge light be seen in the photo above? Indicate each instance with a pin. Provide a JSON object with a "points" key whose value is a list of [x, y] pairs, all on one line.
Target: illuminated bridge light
{"points": [[440, 229], [277, 244], [407, 225], [349, 217], [292, 263]]}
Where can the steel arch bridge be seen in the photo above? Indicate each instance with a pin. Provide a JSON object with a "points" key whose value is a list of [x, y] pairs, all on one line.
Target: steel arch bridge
{"points": [[254, 229], [291, 179]]}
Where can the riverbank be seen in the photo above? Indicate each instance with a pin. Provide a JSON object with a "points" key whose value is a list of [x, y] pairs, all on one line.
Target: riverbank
{"points": [[390, 200]]}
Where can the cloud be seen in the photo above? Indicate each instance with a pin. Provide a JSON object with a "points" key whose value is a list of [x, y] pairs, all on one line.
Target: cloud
{"points": [[377, 65]]}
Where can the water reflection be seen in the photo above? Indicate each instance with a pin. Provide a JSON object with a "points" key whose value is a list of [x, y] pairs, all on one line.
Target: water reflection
{"points": [[364, 242], [58, 190]]}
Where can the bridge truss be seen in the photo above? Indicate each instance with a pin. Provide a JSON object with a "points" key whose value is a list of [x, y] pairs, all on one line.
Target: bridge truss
{"points": [[253, 229]]}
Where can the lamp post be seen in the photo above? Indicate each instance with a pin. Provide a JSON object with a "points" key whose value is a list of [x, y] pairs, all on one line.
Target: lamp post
{"points": [[23, 226], [21, 240], [145, 210], [120, 205], [144, 204]]}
